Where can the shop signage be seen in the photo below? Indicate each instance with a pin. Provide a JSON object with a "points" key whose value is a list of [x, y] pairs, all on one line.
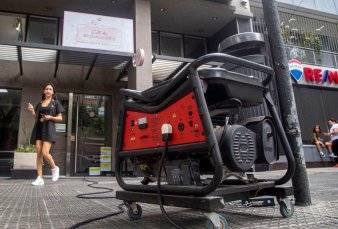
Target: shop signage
{"points": [[105, 159], [313, 75], [97, 32], [296, 69]]}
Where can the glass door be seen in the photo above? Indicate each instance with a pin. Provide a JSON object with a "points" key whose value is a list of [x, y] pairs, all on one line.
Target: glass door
{"points": [[10, 100], [91, 130]]}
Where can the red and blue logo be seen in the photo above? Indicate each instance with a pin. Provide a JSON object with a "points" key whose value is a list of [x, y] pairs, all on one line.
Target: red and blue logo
{"points": [[296, 69]]}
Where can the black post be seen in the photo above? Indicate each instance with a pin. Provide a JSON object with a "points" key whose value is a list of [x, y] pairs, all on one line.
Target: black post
{"points": [[287, 101]]}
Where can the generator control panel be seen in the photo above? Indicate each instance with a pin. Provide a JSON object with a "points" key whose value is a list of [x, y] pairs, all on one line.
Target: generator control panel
{"points": [[143, 130]]}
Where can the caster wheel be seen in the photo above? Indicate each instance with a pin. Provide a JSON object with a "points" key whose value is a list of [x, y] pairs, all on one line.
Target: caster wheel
{"points": [[223, 221], [135, 215], [285, 212]]}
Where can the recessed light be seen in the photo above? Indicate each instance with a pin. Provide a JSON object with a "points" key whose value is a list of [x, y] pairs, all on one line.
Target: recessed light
{"points": [[113, 2], [214, 18], [162, 9]]}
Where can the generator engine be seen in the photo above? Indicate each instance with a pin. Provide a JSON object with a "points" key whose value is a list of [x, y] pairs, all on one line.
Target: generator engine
{"points": [[243, 146]]}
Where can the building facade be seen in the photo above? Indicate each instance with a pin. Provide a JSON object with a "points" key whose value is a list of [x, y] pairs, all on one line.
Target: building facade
{"points": [[310, 32]]}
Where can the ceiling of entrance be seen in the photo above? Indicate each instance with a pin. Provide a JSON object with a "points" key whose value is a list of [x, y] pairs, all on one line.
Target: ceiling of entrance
{"points": [[194, 17]]}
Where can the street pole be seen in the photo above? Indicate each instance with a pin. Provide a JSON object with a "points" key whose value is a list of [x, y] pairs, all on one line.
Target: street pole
{"points": [[287, 102]]}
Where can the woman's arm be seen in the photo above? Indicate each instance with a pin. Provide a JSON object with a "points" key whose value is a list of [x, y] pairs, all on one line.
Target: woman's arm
{"points": [[327, 134], [31, 109], [57, 118]]}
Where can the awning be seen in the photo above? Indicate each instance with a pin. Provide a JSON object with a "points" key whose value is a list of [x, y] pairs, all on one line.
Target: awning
{"points": [[23, 51], [163, 67]]}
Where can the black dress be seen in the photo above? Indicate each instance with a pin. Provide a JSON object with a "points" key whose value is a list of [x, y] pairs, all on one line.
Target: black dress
{"points": [[46, 131], [39, 124]]}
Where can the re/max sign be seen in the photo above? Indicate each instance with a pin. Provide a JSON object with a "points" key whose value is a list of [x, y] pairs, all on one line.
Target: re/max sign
{"points": [[319, 75]]}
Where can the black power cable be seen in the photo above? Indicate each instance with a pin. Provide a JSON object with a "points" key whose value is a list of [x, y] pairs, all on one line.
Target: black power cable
{"points": [[85, 196], [160, 200]]}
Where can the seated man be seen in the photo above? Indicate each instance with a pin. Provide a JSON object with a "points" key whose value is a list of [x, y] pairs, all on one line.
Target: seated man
{"points": [[333, 134]]}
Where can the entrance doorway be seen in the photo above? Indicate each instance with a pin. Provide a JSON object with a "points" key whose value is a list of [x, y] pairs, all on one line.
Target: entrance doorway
{"points": [[85, 128], [91, 129]]}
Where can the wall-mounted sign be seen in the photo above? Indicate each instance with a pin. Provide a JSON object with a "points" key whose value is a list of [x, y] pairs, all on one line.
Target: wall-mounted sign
{"points": [[97, 32], [60, 127], [296, 69], [105, 158], [94, 171], [313, 75]]}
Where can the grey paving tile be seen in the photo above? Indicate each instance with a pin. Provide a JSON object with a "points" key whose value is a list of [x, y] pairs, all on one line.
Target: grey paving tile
{"points": [[55, 206]]}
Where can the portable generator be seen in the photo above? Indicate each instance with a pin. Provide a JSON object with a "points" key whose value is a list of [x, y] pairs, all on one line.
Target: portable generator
{"points": [[188, 134]]}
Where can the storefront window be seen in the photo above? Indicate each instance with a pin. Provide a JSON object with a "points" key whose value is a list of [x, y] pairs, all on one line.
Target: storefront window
{"points": [[42, 30], [154, 42], [12, 27], [171, 45], [194, 47], [9, 118], [318, 111]]}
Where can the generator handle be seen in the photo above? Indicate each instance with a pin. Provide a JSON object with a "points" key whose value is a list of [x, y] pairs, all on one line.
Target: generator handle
{"points": [[225, 58]]}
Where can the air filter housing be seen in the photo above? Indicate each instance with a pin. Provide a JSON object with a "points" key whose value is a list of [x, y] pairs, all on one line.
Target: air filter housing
{"points": [[238, 147]]}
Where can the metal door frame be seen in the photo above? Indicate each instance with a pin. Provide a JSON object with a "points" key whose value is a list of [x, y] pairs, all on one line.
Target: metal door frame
{"points": [[69, 133]]}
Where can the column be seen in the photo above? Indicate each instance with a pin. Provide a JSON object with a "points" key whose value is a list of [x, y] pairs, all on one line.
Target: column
{"points": [[140, 78]]}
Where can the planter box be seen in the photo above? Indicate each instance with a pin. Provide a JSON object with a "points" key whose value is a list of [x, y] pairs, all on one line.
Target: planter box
{"points": [[23, 173], [24, 166], [24, 161]]}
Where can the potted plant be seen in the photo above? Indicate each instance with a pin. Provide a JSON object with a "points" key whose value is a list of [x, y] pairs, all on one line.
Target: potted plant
{"points": [[24, 162]]}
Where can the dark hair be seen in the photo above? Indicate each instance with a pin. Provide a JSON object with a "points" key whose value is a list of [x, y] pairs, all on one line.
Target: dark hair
{"points": [[332, 120], [43, 97], [314, 129]]}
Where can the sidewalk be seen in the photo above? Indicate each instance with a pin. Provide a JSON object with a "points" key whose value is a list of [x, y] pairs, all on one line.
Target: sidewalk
{"points": [[54, 205]]}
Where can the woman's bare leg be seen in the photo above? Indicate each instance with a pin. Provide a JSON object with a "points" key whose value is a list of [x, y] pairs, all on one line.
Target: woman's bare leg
{"points": [[39, 155], [45, 152], [319, 147]]}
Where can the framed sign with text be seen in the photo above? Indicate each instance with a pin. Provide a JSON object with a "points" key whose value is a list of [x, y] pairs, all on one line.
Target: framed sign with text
{"points": [[97, 32]]}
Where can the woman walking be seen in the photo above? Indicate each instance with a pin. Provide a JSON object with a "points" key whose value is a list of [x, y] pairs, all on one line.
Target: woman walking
{"points": [[46, 113]]}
